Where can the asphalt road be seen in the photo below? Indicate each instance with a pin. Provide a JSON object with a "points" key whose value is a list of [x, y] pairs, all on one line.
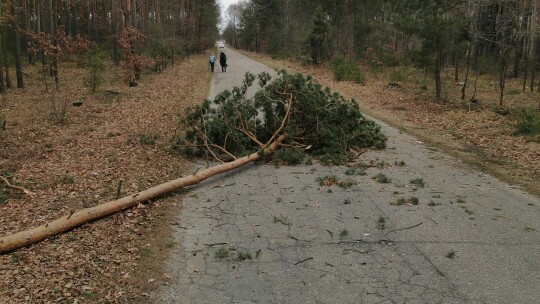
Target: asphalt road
{"points": [[262, 234]]}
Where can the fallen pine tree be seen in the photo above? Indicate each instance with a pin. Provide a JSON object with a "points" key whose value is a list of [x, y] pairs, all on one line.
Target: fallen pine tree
{"points": [[291, 111], [76, 219], [318, 122]]}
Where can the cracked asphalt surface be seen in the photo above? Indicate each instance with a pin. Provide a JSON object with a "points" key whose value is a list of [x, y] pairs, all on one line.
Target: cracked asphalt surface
{"points": [[263, 234]]}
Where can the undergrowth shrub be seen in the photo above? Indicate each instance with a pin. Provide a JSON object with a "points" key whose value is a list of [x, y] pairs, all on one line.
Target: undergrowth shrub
{"points": [[347, 69], [396, 76], [321, 123], [528, 121], [96, 63]]}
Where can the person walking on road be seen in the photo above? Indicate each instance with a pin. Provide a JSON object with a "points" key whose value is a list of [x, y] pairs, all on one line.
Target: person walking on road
{"points": [[223, 61], [211, 61]]}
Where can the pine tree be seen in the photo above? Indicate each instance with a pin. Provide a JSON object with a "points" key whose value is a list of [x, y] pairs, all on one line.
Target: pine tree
{"points": [[314, 119]]}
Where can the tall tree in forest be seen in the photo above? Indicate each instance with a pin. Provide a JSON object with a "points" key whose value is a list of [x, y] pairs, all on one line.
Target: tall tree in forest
{"points": [[434, 22], [230, 32], [318, 42], [206, 20], [505, 41], [2, 85], [17, 42]]}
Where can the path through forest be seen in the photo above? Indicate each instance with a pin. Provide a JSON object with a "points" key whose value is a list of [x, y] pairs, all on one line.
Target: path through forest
{"points": [[263, 234]]}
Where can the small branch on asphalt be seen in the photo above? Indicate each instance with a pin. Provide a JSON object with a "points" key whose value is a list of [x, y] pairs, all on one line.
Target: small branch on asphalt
{"points": [[223, 185], [216, 244], [404, 228], [304, 260]]}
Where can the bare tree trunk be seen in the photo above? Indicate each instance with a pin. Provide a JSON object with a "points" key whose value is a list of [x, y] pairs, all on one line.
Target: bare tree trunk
{"points": [[438, 60], [17, 51], [466, 80], [2, 86], [533, 71], [6, 65], [525, 71], [519, 46], [502, 77], [68, 222], [26, 41], [456, 66]]}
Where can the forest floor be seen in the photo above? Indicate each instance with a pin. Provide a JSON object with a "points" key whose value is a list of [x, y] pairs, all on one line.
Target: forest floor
{"points": [[118, 135], [124, 135]]}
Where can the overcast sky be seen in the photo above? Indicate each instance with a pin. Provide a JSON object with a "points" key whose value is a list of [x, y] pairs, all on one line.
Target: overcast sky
{"points": [[224, 5]]}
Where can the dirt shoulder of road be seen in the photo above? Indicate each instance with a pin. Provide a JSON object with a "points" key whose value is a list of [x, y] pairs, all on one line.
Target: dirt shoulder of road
{"points": [[479, 133]]}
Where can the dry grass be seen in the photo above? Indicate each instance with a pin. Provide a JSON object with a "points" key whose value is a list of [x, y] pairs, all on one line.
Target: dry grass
{"points": [[79, 163]]}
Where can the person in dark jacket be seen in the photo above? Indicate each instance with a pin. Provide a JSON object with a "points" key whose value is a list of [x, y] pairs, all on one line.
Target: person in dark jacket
{"points": [[223, 61]]}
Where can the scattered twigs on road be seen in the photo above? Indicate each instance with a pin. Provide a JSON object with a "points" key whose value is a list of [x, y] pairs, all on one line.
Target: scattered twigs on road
{"points": [[404, 228], [304, 260]]}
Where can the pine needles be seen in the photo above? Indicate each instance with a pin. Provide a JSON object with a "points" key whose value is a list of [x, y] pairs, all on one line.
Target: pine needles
{"points": [[317, 121]]}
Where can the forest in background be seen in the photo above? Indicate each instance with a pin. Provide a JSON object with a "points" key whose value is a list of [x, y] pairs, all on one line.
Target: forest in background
{"points": [[136, 34], [471, 37]]}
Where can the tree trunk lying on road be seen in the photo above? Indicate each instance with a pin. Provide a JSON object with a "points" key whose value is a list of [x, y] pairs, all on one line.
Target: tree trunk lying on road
{"points": [[65, 223]]}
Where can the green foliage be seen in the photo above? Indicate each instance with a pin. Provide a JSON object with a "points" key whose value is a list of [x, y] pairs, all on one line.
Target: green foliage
{"points": [[318, 41], [343, 233], [321, 123], [347, 69], [290, 156], [156, 44], [407, 201], [3, 197], [438, 28], [67, 180], [355, 171], [418, 182], [381, 178], [148, 139], [396, 76], [244, 256], [282, 219], [328, 180], [16, 258], [90, 295], [222, 253], [399, 163], [528, 121], [347, 183], [96, 63], [381, 223]]}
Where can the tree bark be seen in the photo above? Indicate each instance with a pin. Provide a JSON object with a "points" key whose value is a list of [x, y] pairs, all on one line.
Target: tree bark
{"points": [[68, 222], [17, 51], [2, 86], [438, 60]]}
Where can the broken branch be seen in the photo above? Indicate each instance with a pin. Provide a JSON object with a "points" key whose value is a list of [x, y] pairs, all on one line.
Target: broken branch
{"points": [[65, 223], [9, 185], [405, 228]]}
